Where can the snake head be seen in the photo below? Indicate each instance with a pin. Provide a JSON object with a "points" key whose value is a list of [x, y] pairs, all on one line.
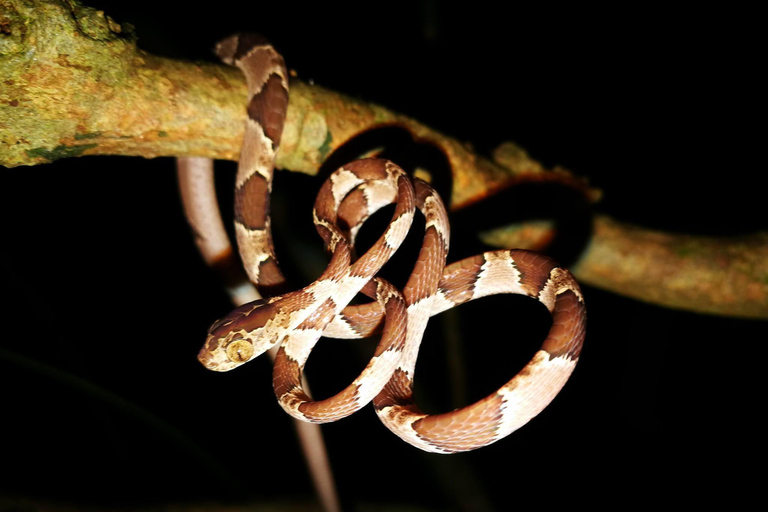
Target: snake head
{"points": [[238, 337]]}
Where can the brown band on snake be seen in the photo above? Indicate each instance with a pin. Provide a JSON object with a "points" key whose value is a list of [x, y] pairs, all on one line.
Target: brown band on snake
{"points": [[353, 210], [534, 271], [252, 203], [428, 269], [566, 336], [526, 394], [268, 108], [267, 80], [297, 320]]}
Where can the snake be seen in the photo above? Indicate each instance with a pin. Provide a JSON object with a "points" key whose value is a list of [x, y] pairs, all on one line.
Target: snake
{"points": [[294, 321]]}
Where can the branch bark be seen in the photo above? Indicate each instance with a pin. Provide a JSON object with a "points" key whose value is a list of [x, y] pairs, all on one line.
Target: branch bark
{"points": [[714, 275], [74, 83]]}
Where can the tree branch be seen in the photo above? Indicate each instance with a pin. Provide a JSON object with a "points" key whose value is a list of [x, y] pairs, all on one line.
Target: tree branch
{"points": [[74, 83], [706, 274]]}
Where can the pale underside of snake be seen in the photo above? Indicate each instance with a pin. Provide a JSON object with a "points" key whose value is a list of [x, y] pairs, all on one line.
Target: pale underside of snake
{"points": [[295, 321]]}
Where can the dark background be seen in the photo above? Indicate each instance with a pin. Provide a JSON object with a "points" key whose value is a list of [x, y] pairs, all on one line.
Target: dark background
{"points": [[107, 301]]}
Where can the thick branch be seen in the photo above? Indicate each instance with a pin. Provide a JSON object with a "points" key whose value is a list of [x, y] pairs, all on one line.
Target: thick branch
{"points": [[74, 83], [715, 275], [706, 274]]}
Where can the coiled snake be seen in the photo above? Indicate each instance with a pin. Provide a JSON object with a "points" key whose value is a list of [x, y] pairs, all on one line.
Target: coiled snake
{"points": [[295, 321]]}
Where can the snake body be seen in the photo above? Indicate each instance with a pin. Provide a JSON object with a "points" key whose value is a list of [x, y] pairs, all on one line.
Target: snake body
{"points": [[296, 320]]}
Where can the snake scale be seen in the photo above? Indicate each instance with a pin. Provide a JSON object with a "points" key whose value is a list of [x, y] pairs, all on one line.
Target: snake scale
{"points": [[295, 321]]}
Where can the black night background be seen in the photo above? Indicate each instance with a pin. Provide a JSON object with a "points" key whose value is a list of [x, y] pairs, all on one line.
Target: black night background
{"points": [[107, 301]]}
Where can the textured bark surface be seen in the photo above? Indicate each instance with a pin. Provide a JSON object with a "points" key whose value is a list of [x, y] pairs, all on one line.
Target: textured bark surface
{"points": [[74, 83], [706, 274]]}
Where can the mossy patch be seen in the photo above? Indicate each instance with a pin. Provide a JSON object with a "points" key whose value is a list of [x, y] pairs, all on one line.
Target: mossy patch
{"points": [[325, 147], [59, 152]]}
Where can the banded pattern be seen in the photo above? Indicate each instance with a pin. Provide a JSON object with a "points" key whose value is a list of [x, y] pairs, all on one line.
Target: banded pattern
{"points": [[296, 320], [522, 397], [267, 79]]}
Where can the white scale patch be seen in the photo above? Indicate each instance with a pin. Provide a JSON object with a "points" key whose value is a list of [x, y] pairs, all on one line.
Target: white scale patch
{"points": [[299, 343], [256, 154], [340, 328], [525, 396], [559, 281], [342, 183], [399, 421], [277, 328], [497, 275], [375, 376], [398, 230], [436, 216], [324, 288], [378, 194], [290, 404], [548, 294], [418, 316], [439, 303], [348, 288], [254, 248]]}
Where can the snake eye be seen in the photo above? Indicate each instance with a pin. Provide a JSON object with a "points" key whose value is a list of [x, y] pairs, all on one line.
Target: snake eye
{"points": [[239, 351]]}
